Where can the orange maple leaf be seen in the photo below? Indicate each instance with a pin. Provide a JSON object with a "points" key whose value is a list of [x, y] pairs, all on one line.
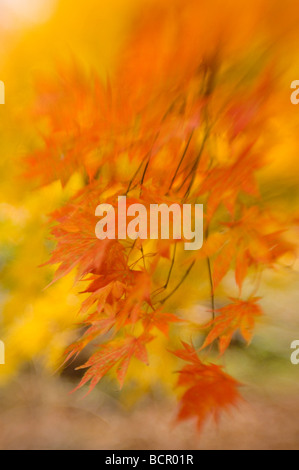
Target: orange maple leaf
{"points": [[119, 353], [208, 390], [160, 320], [239, 315], [251, 240]]}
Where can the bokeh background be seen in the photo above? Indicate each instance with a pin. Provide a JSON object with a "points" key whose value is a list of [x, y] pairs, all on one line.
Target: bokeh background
{"points": [[36, 324]]}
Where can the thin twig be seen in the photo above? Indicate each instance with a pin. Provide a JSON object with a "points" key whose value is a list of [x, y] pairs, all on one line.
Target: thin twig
{"points": [[163, 288], [135, 174], [179, 284], [181, 160], [212, 287], [196, 163], [171, 267], [210, 278]]}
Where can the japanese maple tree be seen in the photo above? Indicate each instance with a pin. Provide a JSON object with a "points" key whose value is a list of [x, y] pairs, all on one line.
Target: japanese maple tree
{"points": [[184, 118]]}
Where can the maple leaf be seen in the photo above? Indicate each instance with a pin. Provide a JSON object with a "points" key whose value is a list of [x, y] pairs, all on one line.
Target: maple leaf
{"points": [[239, 315], [160, 320], [225, 184], [119, 353], [77, 245], [81, 118], [173, 125], [208, 390], [250, 240]]}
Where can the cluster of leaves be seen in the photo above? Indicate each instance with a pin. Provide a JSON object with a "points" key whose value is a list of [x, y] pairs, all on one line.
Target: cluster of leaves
{"points": [[185, 119]]}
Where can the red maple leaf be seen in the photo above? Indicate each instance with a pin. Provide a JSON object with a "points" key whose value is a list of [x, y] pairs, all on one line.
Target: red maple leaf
{"points": [[207, 389], [119, 353], [239, 315]]}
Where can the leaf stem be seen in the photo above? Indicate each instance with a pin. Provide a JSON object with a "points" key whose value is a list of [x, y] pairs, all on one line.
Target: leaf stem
{"points": [[181, 160], [179, 284], [210, 278]]}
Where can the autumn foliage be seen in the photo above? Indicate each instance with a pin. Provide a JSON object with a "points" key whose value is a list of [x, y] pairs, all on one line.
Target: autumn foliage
{"points": [[186, 118]]}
